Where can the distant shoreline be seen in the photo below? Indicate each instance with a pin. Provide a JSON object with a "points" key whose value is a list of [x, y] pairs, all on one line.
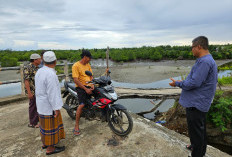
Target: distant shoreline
{"points": [[134, 72], [147, 72]]}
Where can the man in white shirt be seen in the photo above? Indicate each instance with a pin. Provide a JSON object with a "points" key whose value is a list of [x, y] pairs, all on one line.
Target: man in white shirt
{"points": [[49, 103]]}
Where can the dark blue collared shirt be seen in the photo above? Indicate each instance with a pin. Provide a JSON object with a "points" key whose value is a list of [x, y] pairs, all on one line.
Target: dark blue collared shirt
{"points": [[199, 87], [41, 64]]}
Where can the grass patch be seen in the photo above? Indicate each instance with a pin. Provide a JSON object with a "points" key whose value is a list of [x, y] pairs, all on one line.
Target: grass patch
{"points": [[225, 80]]}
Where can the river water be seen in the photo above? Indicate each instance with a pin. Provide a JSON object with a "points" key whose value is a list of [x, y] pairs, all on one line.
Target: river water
{"points": [[134, 105]]}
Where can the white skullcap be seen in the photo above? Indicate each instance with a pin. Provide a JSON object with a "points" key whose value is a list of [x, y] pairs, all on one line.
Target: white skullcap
{"points": [[49, 56]]}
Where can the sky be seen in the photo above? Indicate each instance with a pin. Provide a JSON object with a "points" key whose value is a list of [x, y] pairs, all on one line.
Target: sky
{"points": [[75, 24]]}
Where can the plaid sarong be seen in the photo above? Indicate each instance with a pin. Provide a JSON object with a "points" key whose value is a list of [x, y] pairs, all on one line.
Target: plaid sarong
{"points": [[51, 129]]}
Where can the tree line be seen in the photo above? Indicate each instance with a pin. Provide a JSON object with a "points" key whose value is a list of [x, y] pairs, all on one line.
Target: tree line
{"points": [[11, 58]]}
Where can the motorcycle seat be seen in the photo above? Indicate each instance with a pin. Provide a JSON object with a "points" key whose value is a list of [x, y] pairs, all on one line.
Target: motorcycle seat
{"points": [[72, 86]]}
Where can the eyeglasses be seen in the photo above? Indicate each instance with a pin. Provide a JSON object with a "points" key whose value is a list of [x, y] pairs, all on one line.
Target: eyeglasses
{"points": [[194, 46]]}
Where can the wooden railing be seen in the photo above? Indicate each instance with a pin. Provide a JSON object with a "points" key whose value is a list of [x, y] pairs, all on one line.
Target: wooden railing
{"points": [[66, 75]]}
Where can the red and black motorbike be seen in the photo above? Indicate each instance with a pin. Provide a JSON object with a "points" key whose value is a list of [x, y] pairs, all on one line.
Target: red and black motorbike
{"points": [[101, 104]]}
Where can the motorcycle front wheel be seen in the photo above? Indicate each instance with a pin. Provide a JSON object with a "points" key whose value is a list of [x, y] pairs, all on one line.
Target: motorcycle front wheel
{"points": [[120, 122], [73, 103]]}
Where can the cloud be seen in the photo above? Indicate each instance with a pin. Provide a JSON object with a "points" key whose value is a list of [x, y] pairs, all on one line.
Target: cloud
{"points": [[60, 24], [54, 45], [23, 43], [2, 41]]}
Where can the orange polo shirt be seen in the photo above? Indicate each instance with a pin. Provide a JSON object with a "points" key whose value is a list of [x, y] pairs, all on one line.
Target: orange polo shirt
{"points": [[78, 71]]}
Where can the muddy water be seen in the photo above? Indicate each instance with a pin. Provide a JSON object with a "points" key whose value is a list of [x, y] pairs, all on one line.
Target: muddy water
{"points": [[137, 105], [131, 75]]}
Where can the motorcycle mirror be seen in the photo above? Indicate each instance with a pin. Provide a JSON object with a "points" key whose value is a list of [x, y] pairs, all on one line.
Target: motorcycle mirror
{"points": [[88, 73]]}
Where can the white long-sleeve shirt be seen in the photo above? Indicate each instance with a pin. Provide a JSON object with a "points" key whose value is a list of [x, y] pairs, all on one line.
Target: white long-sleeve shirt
{"points": [[47, 91]]}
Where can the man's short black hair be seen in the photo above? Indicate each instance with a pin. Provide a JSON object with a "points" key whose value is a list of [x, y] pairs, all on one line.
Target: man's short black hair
{"points": [[31, 60], [86, 53], [42, 52], [202, 41]]}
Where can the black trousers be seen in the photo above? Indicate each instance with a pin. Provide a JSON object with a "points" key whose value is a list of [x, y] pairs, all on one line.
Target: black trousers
{"points": [[197, 131]]}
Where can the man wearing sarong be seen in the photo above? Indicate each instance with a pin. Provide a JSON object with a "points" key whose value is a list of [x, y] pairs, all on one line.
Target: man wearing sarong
{"points": [[29, 72], [49, 103]]}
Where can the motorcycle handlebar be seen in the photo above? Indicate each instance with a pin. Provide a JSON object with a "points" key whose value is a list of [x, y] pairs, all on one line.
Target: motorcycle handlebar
{"points": [[90, 82]]}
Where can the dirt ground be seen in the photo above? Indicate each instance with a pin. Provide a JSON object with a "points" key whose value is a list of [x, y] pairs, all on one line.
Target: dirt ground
{"points": [[147, 72], [146, 138], [134, 72]]}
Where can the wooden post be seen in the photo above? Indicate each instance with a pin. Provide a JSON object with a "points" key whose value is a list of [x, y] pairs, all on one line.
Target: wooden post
{"points": [[22, 80], [66, 71], [107, 59]]}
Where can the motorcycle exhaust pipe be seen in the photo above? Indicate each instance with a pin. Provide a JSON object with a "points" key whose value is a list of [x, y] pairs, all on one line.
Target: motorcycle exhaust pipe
{"points": [[66, 107]]}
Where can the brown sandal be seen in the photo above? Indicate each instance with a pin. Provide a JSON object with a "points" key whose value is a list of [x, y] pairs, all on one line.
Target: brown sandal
{"points": [[76, 132]]}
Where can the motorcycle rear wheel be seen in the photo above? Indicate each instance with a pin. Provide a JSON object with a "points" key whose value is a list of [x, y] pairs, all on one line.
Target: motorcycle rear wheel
{"points": [[117, 121]]}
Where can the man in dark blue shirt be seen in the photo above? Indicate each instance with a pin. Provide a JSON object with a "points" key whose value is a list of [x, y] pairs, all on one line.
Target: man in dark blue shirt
{"points": [[42, 62], [197, 94]]}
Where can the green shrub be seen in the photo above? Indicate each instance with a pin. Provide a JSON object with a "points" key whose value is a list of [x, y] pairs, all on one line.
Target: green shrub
{"points": [[225, 68], [9, 62], [156, 56], [225, 80], [220, 113], [59, 69]]}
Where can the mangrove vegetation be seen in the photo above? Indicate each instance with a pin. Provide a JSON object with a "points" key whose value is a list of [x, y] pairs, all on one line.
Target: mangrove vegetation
{"points": [[11, 58]]}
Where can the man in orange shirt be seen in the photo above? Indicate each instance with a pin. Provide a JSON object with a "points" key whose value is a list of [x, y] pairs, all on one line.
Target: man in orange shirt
{"points": [[80, 79]]}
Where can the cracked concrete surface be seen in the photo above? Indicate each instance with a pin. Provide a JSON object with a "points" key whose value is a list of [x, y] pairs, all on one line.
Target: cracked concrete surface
{"points": [[146, 138]]}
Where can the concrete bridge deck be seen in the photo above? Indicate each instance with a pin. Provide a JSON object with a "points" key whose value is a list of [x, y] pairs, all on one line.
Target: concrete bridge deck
{"points": [[122, 93], [146, 139]]}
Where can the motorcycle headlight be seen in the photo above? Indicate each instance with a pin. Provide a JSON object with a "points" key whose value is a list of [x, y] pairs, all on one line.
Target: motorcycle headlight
{"points": [[114, 95]]}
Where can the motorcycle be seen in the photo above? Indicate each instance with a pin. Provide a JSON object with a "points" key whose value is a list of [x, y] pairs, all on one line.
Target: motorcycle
{"points": [[100, 104]]}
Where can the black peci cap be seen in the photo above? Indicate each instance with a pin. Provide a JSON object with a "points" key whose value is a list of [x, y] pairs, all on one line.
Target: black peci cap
{"points": [[86, 53]]}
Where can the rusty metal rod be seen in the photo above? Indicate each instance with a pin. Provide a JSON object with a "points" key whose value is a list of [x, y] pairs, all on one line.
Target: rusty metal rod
{"points": [[18, 67], [16, 81]]}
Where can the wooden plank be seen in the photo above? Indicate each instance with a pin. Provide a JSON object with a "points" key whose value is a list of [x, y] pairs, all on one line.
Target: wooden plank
{"points": [[148, 93], [22, 80], [66, 71], [9, 82], [9, 68]]}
